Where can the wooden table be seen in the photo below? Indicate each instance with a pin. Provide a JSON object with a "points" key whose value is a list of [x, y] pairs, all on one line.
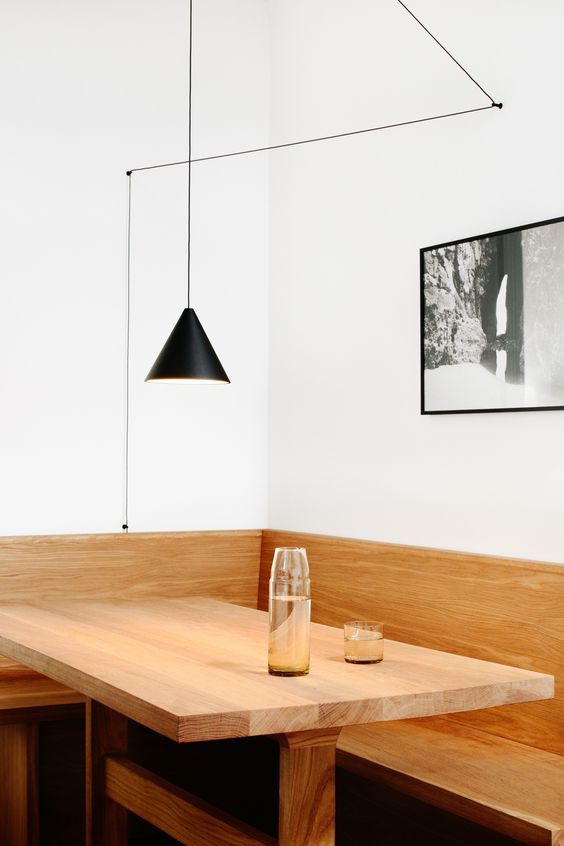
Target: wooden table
{"points": [[195, 669]]}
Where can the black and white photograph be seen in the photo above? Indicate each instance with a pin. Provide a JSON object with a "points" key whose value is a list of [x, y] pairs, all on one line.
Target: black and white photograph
{"points": [[492, 321]]}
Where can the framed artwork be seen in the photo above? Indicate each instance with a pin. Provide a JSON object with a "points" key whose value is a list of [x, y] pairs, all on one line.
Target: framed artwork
{"points": [[492, 321]]}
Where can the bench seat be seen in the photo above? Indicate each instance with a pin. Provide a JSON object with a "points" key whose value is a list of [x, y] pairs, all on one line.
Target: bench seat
{"points": [[505, 786], [22, 688], [498, 771]]}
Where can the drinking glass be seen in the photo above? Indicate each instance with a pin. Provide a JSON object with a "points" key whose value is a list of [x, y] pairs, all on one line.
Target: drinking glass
{"points": [[364, 642]]}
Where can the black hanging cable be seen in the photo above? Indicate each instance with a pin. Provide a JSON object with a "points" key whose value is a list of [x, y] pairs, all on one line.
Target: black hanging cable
{"points": [[190, 161], [189, 153], [125, 525], [442, 46], [315, 140]]}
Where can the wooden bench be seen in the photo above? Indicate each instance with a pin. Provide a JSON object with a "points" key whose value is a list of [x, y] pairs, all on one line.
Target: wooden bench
{"points": [[500, 768], [223, 565], [26, 700]]}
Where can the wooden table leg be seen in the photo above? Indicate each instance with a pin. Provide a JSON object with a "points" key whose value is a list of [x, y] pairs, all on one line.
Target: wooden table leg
{"points": [[19, 807], [106, 734], [307, 788]]}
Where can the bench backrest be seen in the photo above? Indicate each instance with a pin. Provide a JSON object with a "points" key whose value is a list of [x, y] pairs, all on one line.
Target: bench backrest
{"points": [[502, 610], [223, 565], [491, 608]]}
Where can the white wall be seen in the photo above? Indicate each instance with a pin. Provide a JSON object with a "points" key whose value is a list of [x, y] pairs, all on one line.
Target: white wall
{"points": [[89, 90], [92, 88], [350, 453]]}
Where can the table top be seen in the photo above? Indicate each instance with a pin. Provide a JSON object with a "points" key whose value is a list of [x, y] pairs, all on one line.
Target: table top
{"points": [[196, 669]]}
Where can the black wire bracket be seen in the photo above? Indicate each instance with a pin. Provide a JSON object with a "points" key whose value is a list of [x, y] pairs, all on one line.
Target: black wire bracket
{"points": [[493, 105], [190, 161]]}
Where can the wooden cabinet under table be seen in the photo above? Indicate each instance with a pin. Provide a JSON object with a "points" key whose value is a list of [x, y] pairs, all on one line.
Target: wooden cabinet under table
{"points": [[194, 669]]}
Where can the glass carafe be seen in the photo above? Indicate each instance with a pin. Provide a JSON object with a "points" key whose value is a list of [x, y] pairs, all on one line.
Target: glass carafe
{"points": [[289, 613]]}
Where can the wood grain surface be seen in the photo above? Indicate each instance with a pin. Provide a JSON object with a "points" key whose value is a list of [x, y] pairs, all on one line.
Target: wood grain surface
{"points": [[176, 812], [514, 789], [307, 788], [220, 564], [18, 785], [495, 609], [195, 669], [21, 687], [106, 734]]}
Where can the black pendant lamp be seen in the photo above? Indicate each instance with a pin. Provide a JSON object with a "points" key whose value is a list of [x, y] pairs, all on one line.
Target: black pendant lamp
{"points": [[188, 355]]}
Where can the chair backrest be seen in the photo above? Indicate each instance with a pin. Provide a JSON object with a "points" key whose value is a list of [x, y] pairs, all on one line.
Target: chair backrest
{"points": [[223, 565], [496, 609]]}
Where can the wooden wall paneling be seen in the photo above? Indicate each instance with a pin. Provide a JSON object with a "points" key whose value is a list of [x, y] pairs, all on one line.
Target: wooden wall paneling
{"points": [[496, 609], [131, 566]]}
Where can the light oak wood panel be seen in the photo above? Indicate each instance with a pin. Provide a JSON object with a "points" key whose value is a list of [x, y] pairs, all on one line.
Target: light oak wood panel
{"points": [[307, 788], [495, 609], [514, 789], [220, 564], [174, 811], [196, 669]]}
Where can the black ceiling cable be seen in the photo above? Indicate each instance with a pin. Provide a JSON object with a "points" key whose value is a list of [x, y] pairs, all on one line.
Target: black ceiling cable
{"points": [[493, 105], [442, 46], [125, 524], [190, 161]]}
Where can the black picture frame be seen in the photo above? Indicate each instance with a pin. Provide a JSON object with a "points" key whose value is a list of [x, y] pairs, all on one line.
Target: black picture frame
{"points": [[494, 259]]}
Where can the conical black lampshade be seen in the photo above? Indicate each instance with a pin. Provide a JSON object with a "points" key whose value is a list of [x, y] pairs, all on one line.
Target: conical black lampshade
{"points": [[187, 355]]}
